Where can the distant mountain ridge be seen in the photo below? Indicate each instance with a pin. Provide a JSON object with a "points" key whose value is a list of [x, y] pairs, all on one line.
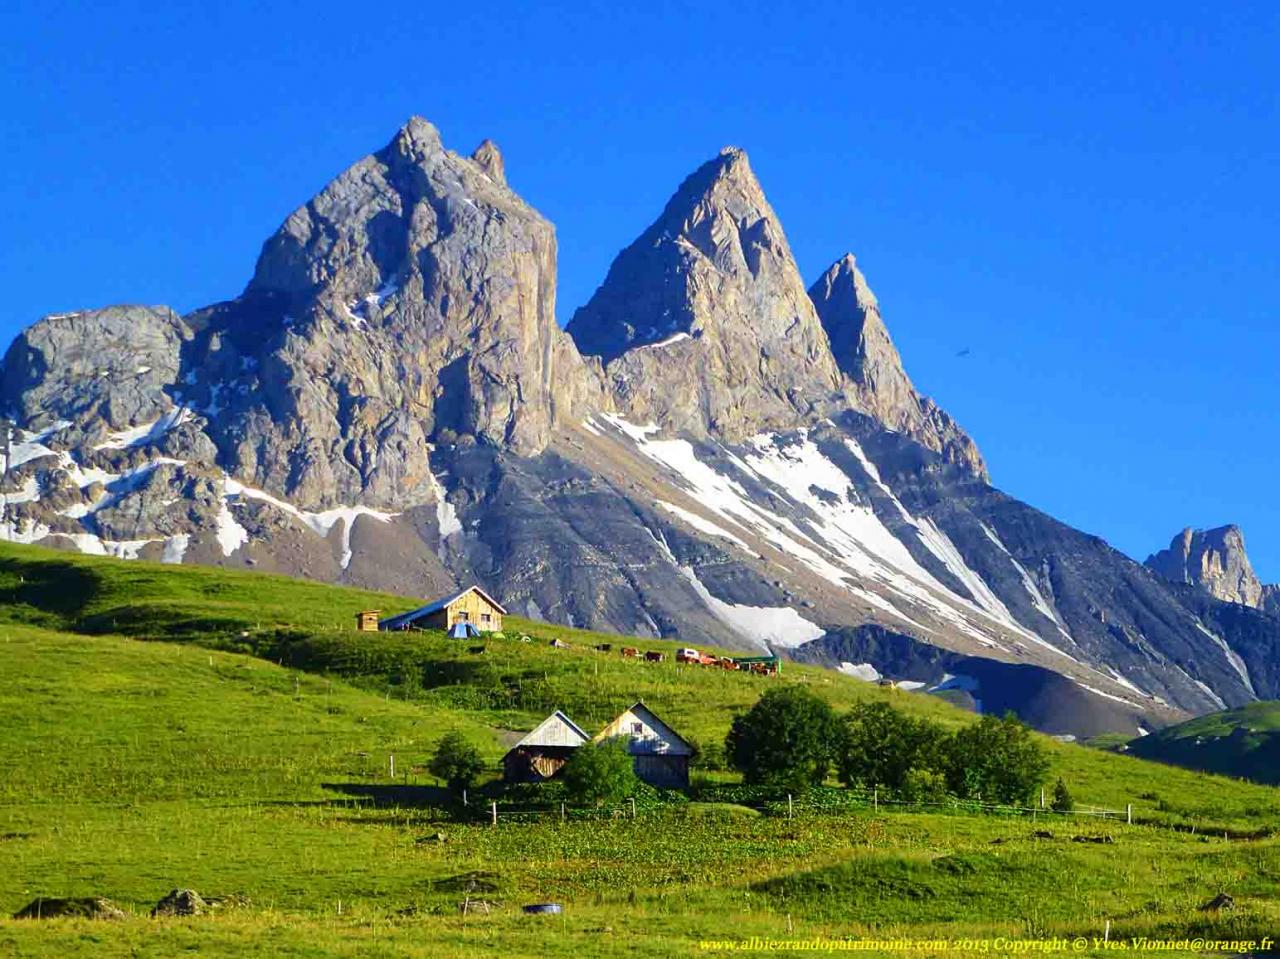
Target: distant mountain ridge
{"points": [[711, 449], [1216, 561]]}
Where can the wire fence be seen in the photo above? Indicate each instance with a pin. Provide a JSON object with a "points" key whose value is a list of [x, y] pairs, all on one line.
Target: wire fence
{"points": [[791, 807]]}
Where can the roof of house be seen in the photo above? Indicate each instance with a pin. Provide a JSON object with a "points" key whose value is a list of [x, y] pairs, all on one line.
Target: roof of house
{"points": [[646, 715], [393, 622], [538, 736]]}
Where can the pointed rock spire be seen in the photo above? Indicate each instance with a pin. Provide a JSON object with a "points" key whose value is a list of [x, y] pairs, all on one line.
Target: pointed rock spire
{"points": [[1216, 561], [703, 322], [489, 158], [865, 353]]}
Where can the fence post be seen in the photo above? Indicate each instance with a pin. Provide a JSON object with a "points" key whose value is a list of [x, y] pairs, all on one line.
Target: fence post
{"points": [[632, 801], [493, 806], [464, 797], [1041, 797], [562, 815], [392, 757], [1128, 813], [789, 807], [875, 799]]}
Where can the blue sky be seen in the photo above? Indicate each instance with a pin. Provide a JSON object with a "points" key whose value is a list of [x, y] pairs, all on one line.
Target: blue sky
{"points": [[1086, 201]]}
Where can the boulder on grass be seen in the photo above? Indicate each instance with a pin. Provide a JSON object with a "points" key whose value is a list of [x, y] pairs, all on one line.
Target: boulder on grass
{"points": [[88, 907], [181, 902]]}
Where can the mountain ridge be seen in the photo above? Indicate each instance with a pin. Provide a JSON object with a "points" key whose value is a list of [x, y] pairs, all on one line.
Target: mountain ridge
{"points": [[390, 403]]}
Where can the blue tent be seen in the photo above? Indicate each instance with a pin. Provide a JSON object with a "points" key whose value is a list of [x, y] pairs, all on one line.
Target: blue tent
{"points": [[463, 631]]}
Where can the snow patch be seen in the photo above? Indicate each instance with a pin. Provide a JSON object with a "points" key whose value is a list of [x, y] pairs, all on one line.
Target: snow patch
{"points": [[147, 432], [864, 671], [231, 535], [175, 548], [23, 530], [1233, 658], [766, 625], [676, 338], [320, 523], [961, 682], [29, 492], [701, 524], [638, 433], [1098, 692], [31, 446], [1211, 694]]}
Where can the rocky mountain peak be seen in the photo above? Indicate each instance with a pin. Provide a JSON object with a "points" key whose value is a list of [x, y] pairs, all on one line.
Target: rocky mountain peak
{"points": [[489, 158], [1214, 560], [873, 370], [703, 322]]}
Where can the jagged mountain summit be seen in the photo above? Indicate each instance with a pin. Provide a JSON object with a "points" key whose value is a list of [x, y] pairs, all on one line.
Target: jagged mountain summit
{"points": [[1216, 561], [864, 351], [711, 452], [704, 324]]}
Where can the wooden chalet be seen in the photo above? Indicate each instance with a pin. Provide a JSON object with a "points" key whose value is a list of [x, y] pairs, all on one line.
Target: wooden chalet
{"points": [[541, 754], [472, 608], [661, 755]]}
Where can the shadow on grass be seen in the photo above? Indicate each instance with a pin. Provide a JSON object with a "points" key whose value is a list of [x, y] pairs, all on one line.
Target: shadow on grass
{"points": [[391, 796]]}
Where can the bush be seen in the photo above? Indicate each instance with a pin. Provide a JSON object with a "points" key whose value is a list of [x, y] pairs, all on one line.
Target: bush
{"points": [[785, 739], [880, 746], [1062, 801], [923, 786], [456, 761], [996, 760], [601, 774]]}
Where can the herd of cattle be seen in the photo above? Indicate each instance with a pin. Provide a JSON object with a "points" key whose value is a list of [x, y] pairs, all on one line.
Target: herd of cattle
{"points": [[761, 665]]}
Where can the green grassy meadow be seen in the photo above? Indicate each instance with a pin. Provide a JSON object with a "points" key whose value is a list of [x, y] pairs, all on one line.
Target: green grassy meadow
{"points": [[184, 727]]}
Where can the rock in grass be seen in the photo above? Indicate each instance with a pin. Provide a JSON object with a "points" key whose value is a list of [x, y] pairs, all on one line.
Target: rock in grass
{"points": [[181, 902], [1220, 901], [89, 907]]}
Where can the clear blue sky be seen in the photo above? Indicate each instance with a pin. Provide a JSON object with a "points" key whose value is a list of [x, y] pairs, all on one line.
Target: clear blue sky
{"points": [[1085, 199]]}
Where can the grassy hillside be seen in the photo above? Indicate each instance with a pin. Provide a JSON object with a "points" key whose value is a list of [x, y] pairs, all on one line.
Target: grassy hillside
{"points": [[1238, 742], [199, 756]]}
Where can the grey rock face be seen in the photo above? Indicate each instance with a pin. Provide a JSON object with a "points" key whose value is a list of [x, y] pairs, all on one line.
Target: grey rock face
{"points": [[414, 294], [1271, 599], [101, 370], [876, 379], [703, 323], [1216, 561]]}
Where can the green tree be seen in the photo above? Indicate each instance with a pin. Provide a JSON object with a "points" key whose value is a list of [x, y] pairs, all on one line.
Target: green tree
{"points": [[456, 761], [923, 786], [1062, 801], [601, 774], [997, 759], [786, 739], [881, 745]]}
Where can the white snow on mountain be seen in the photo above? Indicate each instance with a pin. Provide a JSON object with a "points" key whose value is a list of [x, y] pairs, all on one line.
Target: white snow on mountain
{"points": [[147, 432], [775, 625], [700, 524]]}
